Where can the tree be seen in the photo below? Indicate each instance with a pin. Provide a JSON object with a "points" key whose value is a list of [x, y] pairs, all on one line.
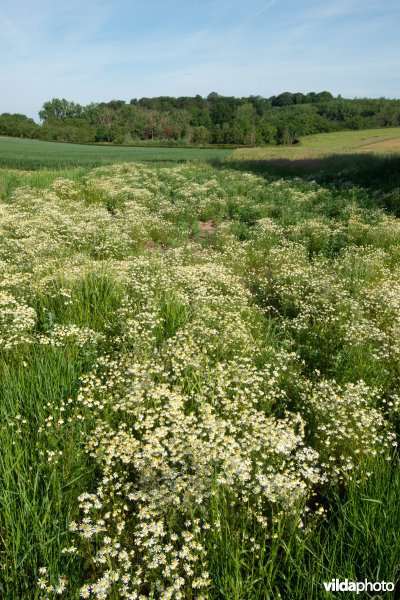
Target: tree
{"points": [[222, 108], [266, 133], [200, 135], [68, 130], [285, 99], [60, 109], [286, 134], [245, 120], [199, 117], [324, 96], [18, 125], [91, 113], [215, 119]]}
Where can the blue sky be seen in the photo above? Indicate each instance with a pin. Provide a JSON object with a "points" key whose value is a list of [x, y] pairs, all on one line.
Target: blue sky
{"points": [[96, 50]]}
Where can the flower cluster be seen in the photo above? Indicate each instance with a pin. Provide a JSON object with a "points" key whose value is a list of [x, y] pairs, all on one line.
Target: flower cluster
{"points": [[228, 346], [17, 321]]}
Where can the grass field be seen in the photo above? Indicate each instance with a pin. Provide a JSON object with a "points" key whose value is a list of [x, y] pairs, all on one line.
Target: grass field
{"points": [[199, 369], [378, 141], [36, 154], [370, 158]]}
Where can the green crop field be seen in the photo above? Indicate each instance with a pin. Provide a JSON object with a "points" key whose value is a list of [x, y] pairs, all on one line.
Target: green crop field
{"points": [[36, 154]]}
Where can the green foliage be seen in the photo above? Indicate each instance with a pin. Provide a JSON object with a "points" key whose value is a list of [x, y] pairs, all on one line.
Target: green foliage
{"points": [[18, 126], [60, 109], [195, 120], [42, 468], [355, 541]]}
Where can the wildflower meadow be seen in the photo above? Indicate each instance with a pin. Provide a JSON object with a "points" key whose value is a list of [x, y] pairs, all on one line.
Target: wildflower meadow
{"points": [[199, 371]]}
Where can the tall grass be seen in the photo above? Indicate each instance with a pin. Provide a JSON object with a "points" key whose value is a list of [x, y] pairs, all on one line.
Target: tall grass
{"points": [[357, 539], [43, 467], [37, 492], [379, 172]]}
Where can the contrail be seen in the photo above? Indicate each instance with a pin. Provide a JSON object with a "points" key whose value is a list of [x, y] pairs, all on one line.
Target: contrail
{"points": [[266, 7]]}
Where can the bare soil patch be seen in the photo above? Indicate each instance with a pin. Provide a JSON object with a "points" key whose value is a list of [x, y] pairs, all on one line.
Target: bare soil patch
{"points": [[384, 145], [155, 246], [207, 228]]}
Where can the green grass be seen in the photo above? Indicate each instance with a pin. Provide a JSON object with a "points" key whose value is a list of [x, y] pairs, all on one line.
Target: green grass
{"points": [[380, 172], [37, 495], [35, 154], [323, 144], [368, 158], [364, 139], [357, 540]]}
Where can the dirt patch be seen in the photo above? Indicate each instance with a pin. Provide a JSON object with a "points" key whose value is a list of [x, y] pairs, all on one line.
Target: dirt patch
{"points": [[384, 145], [207, 228], [154, 246]]}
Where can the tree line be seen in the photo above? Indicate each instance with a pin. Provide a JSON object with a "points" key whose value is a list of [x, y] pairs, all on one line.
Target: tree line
{"points": [[194, 120]]}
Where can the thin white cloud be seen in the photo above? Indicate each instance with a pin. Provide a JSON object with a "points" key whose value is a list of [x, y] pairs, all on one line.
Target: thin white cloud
{"points": [[262, 10]]}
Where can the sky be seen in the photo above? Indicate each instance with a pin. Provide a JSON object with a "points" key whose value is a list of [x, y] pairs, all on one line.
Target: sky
{"points": [[96, 50]]}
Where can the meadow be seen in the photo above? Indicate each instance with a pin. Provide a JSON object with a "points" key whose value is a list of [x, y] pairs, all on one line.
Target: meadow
{"points": [[383, 140], [368, 158], [199, 369]]}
